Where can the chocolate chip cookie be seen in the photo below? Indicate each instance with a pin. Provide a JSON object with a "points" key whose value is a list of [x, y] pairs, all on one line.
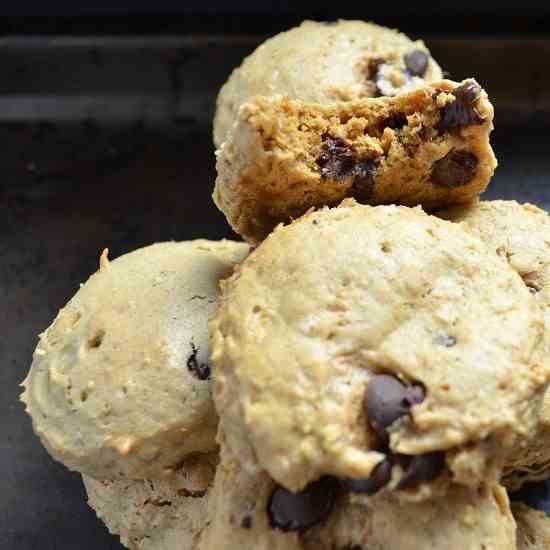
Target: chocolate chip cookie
{"points": [[519, 233], [167, 514], [324, 63], [354, 343], [119, 384], [249, 511], [429, 146]]}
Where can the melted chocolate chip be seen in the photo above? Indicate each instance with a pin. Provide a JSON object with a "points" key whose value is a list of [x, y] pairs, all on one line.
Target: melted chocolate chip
{"points": [[416, 63], [387, 399], [363, 181], [420, 469], [462, 111], [396, 121], [337, 159], [246, 522], [200, 370], [380, 477], [455, 169], [300, 511], [338, 162]]}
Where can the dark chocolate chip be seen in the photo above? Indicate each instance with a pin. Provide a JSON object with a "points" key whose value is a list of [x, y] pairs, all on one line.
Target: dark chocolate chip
{"points": [[300, 511], [416, 63], [396, 121], [363, 181], [387, 399], [338, 162], [337, 159], [380, 477], [421, 469], [200, 370], [246, 522], [462, 111], [532, 289], [455, 169]]}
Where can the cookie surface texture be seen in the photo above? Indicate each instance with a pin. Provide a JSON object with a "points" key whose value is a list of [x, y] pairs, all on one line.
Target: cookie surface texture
{"points": [[318, 318], [120, 382], [324, 63]]}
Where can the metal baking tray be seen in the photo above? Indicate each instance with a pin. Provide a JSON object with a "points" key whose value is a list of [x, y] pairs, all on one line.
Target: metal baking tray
{"points": [[106, 142]]}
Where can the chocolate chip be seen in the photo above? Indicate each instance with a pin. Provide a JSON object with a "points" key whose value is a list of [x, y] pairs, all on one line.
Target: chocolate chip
{"points": [[246, 522], [421, 469], [200, 370], [462, 111], [363, 181], [396, 121], [416, 63], [338, 162], [337, 159], [456, 168], [380, 477], [387, 399], [300, 511]]}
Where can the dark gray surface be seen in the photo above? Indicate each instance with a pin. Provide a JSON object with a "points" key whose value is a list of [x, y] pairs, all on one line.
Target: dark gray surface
{"points": [[71, 187], [52, 226]]}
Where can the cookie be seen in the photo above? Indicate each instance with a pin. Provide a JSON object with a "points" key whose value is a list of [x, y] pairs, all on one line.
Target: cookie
{"points": [[429, 146], [166, 514], [531, 459], [250, 511], [533, 527], [119, 383], [520, 233], [354, 343], [324, 63]]}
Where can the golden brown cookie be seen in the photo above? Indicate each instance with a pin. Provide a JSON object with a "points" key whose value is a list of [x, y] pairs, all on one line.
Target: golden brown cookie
{"points": [[249, 511], [119, 384], [429, 146], [377, 344], [519, 233], [324, 63], [166, 514]]}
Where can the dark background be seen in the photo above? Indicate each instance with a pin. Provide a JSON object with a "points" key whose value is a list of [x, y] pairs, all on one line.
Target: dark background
{"points": [[105, 126]]}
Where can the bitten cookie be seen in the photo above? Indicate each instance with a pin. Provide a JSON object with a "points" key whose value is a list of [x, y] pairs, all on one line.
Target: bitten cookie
{"points": [[156, 514], [520, 233], [429, 146], [380, 345], [249, 511], [119, 383], [324, 63], [533, 527]]}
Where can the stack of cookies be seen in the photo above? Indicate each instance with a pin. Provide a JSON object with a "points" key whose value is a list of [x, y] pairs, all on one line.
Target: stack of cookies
{"points": [[368, 372]]}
